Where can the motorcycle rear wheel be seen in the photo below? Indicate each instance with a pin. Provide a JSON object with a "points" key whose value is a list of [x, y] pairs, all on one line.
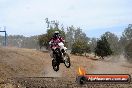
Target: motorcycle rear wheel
{"points": [[55, 65]]}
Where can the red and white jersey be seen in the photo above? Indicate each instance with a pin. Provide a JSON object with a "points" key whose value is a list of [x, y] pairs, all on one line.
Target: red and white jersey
{"points": [[54, 41]]}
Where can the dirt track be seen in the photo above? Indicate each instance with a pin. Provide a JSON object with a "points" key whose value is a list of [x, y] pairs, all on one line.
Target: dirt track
{"points": [[26, 67]]}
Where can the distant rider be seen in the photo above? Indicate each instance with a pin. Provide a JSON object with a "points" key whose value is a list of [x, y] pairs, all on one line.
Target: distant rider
{"points": [[54, 41]]}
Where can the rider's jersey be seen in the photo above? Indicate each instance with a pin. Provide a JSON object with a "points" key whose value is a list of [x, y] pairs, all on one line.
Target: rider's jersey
{"points": [[54, 42]]}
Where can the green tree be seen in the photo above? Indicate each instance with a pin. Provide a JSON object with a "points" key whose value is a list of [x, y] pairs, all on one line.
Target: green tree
{"points": [[93, 44], [80, 47], [126, 36], [77, 48], [113, 40], [70, 36], [44, 39], [80, 42], [126, 42], [80, 35], [86, 48], [128, 51], [103, 48]]}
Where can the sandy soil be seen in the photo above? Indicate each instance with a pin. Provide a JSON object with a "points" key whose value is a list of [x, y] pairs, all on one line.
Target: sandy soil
{"points": [[27, 68]]}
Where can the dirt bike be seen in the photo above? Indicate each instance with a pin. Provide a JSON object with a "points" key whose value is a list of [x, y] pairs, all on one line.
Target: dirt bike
{"points": [[60, 56]]}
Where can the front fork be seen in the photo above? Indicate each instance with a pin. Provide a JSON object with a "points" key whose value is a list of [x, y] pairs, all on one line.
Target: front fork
{"points": [[63, 54]]}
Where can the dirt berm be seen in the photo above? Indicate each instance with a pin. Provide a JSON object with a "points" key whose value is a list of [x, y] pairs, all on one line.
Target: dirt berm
{"points": [[28, 68]]}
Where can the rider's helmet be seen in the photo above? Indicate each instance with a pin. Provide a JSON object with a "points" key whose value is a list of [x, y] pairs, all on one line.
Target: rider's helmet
{"points": [[56, 34]]}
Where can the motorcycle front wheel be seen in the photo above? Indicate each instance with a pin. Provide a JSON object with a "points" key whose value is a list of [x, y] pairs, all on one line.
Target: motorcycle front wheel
{"points": [[67, 61]]}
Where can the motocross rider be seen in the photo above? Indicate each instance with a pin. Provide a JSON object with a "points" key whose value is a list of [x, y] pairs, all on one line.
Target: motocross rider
{"points": [[54, 42]]}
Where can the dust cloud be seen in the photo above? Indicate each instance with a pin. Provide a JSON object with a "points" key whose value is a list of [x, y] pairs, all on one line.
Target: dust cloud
{"points": [[49, 72]]}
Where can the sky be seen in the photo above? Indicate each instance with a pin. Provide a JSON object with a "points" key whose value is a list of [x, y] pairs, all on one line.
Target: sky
{"points": [[27, 17]]}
